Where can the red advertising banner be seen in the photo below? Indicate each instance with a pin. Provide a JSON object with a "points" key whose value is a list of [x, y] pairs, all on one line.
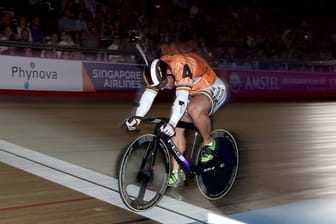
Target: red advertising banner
{"points": [[248, 84]]}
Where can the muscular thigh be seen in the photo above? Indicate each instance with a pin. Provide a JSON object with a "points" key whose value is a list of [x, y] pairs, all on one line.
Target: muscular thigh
{"points": [[199, 104]]}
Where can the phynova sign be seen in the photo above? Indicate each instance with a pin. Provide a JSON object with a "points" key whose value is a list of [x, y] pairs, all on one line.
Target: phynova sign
{"points": [[23, 73]]}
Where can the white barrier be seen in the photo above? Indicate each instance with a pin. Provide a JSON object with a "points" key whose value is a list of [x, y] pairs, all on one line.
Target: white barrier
{"points": [[26, 73]]}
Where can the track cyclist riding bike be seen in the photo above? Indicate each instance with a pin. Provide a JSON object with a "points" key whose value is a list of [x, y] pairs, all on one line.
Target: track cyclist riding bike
{"points": [[199, 94]]}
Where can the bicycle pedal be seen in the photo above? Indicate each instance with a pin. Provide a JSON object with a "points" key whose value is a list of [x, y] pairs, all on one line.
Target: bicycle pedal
{"points": [[182, 175]]}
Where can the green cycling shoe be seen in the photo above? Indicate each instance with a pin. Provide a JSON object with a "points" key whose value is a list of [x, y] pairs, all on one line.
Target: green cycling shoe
{"points": [[208, 153]]}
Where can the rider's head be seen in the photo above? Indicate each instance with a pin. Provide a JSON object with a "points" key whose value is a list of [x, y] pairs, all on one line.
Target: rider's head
{"points": [[156, 73]]}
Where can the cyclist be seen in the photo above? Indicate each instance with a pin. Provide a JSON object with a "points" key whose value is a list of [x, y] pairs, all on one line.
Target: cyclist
{"points": [[199, 94]]}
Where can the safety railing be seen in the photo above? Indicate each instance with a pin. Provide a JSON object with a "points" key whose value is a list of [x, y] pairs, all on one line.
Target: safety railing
{"points": [[130, 55]]}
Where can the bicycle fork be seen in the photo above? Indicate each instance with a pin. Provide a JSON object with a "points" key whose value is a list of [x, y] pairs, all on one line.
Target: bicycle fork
{"points": [[148, 162]]}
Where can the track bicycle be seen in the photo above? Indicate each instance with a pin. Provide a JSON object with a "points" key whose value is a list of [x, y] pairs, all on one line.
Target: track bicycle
{"points": [[146, 165]]}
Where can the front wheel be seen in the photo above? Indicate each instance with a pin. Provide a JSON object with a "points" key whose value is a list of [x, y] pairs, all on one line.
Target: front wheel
{"points": [[143, 173], [216, 178]]}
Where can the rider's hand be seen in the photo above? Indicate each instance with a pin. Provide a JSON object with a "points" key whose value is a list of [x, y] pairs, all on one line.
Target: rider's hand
{"points": [[132, 123], [168, 129]]}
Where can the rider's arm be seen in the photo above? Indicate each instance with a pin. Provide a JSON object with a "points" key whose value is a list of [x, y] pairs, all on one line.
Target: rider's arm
{"points": [[183, 82], [145, 102], [179, 106]]}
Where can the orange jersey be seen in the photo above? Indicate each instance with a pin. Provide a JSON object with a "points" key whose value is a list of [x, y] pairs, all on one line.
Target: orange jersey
{"points": [[190, 71]]}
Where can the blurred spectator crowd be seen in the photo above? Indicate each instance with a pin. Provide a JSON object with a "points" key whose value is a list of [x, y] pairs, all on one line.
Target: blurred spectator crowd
{"points": [[223, 31]]}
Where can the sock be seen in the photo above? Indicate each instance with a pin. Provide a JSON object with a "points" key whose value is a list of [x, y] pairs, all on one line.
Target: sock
{"points": [[209, 144]]}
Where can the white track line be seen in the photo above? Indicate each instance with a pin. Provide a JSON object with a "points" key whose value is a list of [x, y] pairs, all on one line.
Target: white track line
{"points": [[101, 186]]}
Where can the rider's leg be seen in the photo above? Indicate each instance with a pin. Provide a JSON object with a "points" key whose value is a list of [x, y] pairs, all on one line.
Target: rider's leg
{"points": [[179, 140], [198, 109]]}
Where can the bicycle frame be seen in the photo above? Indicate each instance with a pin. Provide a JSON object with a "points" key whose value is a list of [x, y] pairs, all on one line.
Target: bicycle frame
{"points": [[185, 164]]}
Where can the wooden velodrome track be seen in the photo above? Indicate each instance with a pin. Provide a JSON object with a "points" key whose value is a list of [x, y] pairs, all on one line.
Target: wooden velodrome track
{"points": [[287, 154]]}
